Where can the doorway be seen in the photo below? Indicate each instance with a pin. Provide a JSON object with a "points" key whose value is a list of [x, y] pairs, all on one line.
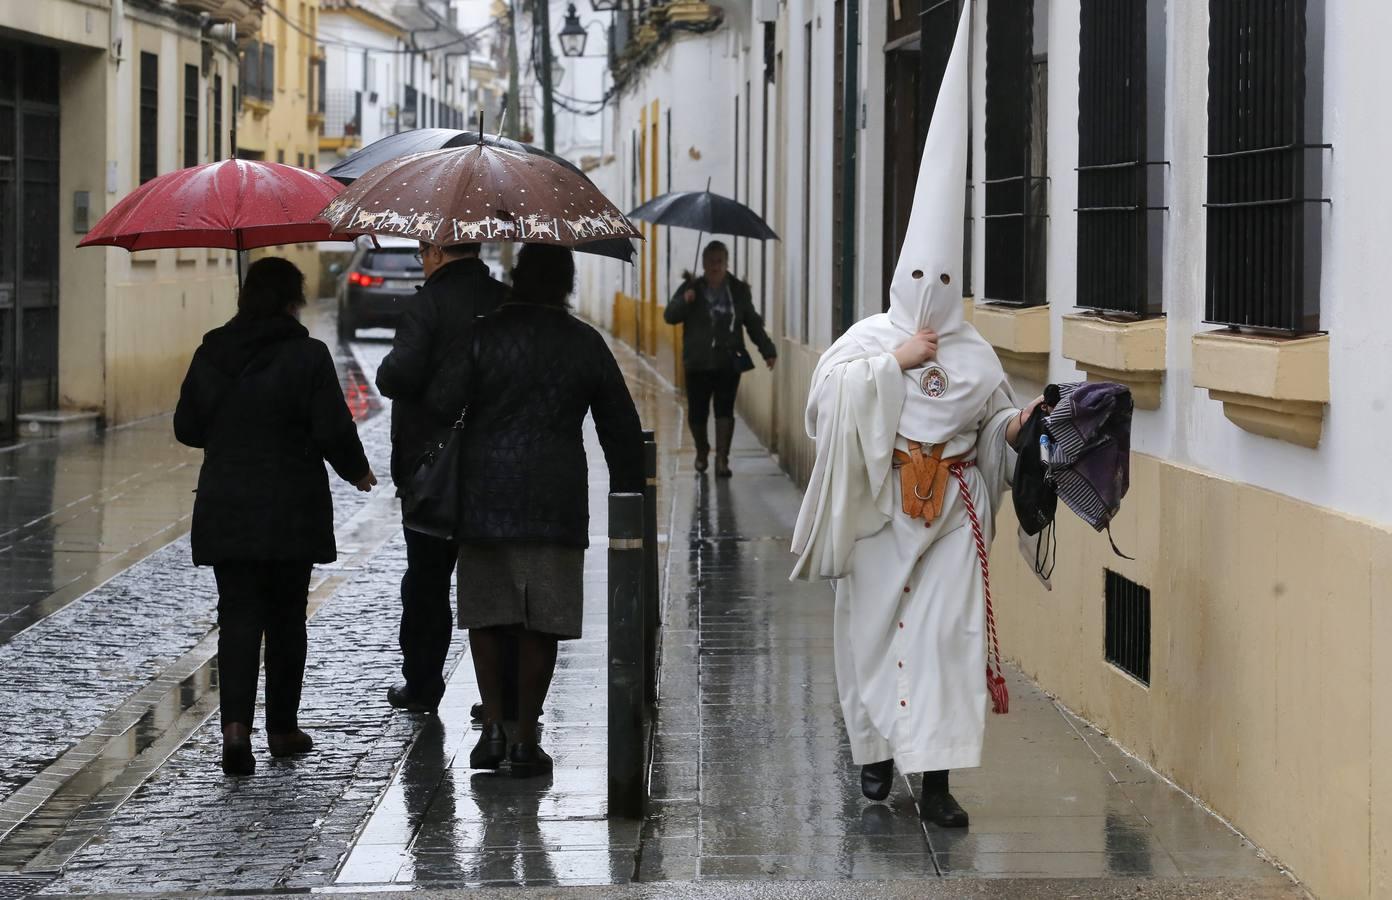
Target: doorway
{"points": [[28, 232]]}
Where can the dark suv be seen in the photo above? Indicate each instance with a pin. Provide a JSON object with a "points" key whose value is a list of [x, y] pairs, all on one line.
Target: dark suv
{"points": [[378, 284]]}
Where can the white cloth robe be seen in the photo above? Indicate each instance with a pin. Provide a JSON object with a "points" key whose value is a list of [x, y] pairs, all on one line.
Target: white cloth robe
{"points": [[910, 620]]}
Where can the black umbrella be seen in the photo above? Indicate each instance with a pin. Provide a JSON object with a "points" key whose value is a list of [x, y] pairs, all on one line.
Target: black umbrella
{"points": [[419, 140], [706, 212]]}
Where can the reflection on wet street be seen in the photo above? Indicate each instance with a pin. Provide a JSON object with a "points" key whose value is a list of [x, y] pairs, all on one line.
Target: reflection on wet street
{"points": [[111, 781]]}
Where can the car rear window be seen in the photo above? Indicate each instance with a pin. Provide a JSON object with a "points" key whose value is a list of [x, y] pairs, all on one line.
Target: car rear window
{"points": [[394, 260]]}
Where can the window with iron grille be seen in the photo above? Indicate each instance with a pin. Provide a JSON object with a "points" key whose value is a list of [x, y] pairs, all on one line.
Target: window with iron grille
{"points": [[838, 165], [217, 116], [190, 115], [1121, 123], [268, 75], [149, 116], [1128, 626], [250, 70], [1265, 89], [1016, 143], [217, 119], [939, 28]]}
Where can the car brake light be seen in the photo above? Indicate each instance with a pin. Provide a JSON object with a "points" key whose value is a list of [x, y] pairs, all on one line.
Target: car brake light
{"points": [[359, 278]]}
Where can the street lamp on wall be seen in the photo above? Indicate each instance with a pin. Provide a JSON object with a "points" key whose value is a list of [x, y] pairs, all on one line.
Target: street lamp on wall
{"points": [[573, 34]]}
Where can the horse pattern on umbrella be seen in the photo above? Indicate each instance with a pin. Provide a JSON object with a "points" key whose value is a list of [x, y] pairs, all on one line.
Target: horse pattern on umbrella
{"points": [[475, 193]]}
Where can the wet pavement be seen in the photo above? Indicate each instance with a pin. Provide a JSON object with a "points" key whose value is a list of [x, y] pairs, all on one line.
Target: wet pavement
{"points": [[109, 778]]}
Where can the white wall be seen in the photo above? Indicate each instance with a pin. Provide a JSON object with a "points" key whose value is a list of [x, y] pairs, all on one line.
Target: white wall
{"points": [[701, 76], [1189, 428]]}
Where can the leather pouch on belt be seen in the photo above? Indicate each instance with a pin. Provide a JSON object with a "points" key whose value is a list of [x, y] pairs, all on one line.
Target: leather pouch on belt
{"points": [[922, 481]]}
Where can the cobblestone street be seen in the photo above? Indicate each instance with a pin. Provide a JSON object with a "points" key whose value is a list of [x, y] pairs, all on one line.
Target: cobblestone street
{"points": [[109, 776]]}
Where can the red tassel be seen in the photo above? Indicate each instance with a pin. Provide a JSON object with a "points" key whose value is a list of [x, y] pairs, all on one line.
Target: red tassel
{"points": [[1000, 695], [995, 680]]}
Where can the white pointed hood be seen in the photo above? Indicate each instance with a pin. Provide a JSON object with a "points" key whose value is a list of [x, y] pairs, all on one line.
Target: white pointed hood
{"points": [[927, 288], [948, 395]]}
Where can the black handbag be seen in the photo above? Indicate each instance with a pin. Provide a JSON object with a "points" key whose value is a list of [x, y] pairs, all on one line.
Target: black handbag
{"points": [[430, 503], [1033, 494], [743, 362]]}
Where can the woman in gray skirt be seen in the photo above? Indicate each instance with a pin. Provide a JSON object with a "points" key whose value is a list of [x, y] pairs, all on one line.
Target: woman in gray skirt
{"points": [[528, 376]]}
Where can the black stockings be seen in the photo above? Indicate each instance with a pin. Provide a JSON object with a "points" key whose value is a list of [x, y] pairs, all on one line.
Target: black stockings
{"points": [[536, 664]]}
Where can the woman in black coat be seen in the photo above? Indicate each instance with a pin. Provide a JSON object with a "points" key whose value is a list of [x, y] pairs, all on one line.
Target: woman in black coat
{"points": [[529, 374], [716, 310], [263, 402]]}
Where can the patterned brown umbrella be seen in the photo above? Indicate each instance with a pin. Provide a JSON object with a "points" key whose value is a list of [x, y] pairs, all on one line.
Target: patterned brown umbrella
{"points": [[478, 193]]}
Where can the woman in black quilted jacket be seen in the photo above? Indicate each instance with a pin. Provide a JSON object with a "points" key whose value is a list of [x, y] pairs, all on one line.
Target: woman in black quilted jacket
{"points": [[263, 402], [529, 375]]}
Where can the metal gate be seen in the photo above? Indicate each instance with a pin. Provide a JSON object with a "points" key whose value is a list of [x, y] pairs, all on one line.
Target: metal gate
{"points": [[28, 231]]}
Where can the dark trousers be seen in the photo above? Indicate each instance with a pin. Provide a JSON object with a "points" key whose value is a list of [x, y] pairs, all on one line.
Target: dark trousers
{"points": [[427, 620], [257, 599], [701, 388]]}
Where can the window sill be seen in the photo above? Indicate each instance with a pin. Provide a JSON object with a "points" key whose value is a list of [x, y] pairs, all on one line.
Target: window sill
{"points": [[1129, 353], [689, 11], [1276, 387], [1020, 335]]}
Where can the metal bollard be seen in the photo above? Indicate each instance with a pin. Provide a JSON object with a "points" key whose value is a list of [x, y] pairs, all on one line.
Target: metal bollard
{"points": [[652, 615], [627, 795]]}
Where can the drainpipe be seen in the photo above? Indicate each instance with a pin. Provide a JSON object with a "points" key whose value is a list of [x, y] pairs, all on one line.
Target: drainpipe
{"points": [[850, 109], [118, 29]]}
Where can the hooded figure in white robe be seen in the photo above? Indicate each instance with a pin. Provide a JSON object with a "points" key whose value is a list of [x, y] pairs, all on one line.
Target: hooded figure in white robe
{"points": [[911, 635]]}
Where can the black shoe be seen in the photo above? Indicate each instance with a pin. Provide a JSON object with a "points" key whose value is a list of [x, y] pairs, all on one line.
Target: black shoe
{"points": [[289, 743], [491, 749], [942, 810], [237, 758], [400, 696], [529, 761], [876, 779]]}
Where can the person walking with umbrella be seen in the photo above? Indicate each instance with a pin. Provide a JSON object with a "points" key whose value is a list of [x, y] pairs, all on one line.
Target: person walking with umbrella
{"points": [[517, 389], [263, 402], [528, 375], [717, 309], [458, 291]]}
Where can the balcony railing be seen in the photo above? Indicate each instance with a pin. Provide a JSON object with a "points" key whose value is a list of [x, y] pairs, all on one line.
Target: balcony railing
{"points": [[258, 73], [343, 114]]}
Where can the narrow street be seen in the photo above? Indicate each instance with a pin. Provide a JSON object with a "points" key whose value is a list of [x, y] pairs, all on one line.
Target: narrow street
{"points": [[108, 686]]}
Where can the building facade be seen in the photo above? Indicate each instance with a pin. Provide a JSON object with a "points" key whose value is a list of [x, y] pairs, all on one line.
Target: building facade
{"points": [[282, 95], [1196, 216], [96, 98]]}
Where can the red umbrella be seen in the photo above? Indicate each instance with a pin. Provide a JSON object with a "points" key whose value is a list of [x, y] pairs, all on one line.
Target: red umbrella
{"points": [[236, 204]]}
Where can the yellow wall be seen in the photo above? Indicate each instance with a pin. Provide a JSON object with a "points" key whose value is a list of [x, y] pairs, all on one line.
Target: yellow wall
{"points": [[154, 322], [284, 131], [81, 273], [1269, 674], [126, 327]]}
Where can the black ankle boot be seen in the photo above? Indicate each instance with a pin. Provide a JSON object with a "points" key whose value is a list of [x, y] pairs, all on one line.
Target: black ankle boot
{"points": [[937, 806], [528, 761], [237, 758], [876, 779], [491, 749]]}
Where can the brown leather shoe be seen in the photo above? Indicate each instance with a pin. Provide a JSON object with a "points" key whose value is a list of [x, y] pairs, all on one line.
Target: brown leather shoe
{"points": [[289, 743], [237, 758]]}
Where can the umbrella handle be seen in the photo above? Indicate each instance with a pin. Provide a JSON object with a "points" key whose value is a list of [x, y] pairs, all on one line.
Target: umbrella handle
{"points": [[696, 263]]}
